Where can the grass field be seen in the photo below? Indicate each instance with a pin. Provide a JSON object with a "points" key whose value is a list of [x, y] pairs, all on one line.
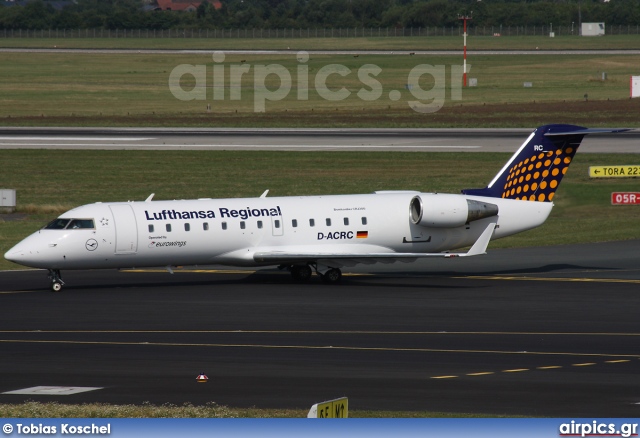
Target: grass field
{"points": [[50, 182], [607, 42], [97, 410], [62, 89]]}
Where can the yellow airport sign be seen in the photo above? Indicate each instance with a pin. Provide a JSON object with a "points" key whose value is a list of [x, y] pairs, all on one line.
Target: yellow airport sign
{"points": [[338, 408], [628, 171]]}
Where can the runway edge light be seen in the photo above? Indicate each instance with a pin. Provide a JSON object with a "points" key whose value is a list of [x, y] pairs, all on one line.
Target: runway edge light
{"points": [[338, 408], [202, 378]]}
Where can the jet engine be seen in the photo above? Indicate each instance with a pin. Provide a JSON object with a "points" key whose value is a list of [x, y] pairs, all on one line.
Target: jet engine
{"points": [[448, 211]]}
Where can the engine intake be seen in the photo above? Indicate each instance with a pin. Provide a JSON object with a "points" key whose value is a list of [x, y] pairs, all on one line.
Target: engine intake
{"points": [[448, 211]]}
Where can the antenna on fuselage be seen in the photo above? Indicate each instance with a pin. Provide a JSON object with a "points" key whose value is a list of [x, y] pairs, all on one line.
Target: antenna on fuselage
{"points": [[264, 195], [150, 197]]}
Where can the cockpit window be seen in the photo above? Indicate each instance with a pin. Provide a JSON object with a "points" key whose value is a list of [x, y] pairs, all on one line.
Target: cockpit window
{"points": [[70, 224], [57, 224], [80, 223]]}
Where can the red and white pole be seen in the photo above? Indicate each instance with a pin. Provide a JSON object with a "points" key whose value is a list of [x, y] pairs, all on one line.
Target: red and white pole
{"points": [[464, 64]]}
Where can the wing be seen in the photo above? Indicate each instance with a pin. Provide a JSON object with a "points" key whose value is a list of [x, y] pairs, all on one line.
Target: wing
{"points": [[350, 259]]}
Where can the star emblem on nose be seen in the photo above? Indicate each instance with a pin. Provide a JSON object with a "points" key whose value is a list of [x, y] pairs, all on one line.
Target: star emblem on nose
{"points": [[104, 222]]}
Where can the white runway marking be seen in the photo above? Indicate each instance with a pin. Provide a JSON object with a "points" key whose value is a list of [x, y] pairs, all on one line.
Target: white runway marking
{"points": [[39, 138], [236, 146], [53, 390]]}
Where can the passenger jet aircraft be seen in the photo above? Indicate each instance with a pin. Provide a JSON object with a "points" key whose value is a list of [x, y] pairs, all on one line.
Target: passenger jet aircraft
{"points": [[309, 233]]}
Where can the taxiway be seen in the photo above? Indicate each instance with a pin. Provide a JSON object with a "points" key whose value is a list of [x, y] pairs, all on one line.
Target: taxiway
{"points": [[549, 331]]}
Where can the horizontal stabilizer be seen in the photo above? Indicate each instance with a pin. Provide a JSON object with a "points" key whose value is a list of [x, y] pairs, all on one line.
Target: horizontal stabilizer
{"points": [[585, 131]]}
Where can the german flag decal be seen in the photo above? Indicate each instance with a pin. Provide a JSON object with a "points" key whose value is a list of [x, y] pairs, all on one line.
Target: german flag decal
{"points": [[362, 234]]}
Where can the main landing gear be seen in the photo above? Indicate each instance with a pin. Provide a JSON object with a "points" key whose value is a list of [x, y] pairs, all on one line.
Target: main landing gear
{"points": [[332, 276], [56, 280], [303, 273]]}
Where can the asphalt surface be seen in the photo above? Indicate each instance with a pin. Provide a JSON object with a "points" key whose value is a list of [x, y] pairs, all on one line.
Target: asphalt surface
{"points": [[550, 331], [405, 140]]}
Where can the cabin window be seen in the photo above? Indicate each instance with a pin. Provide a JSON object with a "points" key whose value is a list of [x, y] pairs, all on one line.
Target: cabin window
{"points": [[276, 223], [346, 221], [259, 224], [364, 220], [328, 222], [294, 223], [168, 228], [224, 225], [312, 222], [242, 225], [187, 227], [151, 228], [205, 226]]}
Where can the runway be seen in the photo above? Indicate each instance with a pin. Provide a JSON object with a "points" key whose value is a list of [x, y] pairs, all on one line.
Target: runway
{"points": [[369, 140], [548, 331], [319, 52]]}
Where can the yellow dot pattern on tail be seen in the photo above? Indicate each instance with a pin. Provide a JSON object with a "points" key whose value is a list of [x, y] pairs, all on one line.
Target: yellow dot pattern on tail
{"points": [[537, 177]]}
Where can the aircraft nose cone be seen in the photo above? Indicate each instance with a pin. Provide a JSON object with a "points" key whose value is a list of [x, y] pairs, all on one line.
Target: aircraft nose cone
{"points": [[15, 255], [23, 254], [34, 251]]}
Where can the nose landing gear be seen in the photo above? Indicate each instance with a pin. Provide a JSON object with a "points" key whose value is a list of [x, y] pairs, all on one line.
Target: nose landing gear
{"points": [[56, 280]]}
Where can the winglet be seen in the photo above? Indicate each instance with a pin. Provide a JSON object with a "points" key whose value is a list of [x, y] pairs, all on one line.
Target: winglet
{"points": [[480, 247]]}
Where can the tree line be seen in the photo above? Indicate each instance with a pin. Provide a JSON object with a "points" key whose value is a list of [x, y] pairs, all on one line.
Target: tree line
{"points": [[303, 14]]}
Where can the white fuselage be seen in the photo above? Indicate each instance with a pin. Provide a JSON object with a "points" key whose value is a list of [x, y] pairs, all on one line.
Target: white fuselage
{"points": [[231, 231]]}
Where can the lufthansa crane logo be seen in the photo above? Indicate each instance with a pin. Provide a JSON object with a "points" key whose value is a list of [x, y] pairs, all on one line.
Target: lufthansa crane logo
{"points": [[91, 245]]}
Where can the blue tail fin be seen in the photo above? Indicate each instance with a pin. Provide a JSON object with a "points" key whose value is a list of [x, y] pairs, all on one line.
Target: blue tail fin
{"points": [[534, 172]]}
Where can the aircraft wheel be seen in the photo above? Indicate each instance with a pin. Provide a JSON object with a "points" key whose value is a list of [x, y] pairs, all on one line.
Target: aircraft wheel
{"points": [[332, 276], [56, 280], [301, 273]]}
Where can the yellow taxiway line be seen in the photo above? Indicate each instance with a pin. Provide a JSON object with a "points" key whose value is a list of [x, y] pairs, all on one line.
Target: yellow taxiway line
{"points": [[559, 279]]}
